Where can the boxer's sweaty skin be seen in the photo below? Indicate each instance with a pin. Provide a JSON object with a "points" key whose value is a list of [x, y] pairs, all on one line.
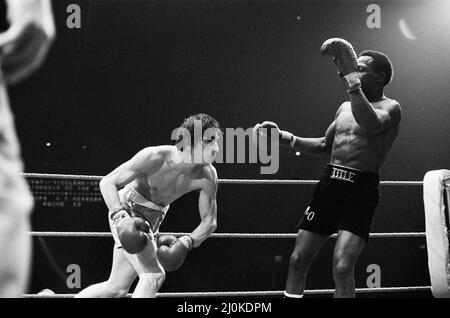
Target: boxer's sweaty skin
{"points": [[172, 180], [364, 128], [162, 174], [354, 147], [360, 137]]}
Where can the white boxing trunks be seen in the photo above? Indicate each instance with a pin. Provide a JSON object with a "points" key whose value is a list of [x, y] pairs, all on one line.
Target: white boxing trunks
{"points": [[137, 205]]}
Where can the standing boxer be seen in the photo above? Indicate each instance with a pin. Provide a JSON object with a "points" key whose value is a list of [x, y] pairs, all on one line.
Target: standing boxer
{"points": [[346, 196]]}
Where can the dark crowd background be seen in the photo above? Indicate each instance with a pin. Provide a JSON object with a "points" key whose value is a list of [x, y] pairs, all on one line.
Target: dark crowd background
{"points": [[135, 69]]}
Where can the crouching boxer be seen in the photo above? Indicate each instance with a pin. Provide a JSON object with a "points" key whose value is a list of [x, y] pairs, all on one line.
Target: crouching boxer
{"points": [[138, 194], [358, 140]]}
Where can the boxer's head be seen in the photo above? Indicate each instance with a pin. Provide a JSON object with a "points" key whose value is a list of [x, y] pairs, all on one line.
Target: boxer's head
{"points": [[198, 135], [375, 70]]}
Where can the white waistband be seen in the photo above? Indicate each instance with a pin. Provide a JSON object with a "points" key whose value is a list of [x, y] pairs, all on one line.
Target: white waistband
{"points": [[143, 201]]}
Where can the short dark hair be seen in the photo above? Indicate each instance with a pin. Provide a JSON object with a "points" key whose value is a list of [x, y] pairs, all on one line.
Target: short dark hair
{"points": [[189, 123], [381, 64]]}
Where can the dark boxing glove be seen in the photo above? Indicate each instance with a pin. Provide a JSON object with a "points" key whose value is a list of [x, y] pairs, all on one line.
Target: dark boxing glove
{"points": [[172, 251]]}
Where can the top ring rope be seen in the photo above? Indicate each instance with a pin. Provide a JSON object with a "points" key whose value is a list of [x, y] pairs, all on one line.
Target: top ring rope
{"points": [[222, 181]]}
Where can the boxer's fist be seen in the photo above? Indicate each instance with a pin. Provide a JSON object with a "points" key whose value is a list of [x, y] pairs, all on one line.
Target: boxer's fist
{"points": [[268, 125], [172, 251], [166, 240], [133, 234], [265, 130], [345, 58], [344, 54], [270, 129]]}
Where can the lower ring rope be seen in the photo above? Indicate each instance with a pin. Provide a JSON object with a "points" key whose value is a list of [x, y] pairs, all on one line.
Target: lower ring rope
{"points": [[258, 293]]}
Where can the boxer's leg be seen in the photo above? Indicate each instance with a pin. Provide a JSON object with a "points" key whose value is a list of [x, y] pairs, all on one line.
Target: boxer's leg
{"points": [[150, 271], [122, 272], [307, 245], [354, 228], [346, 252], [119, 281]]}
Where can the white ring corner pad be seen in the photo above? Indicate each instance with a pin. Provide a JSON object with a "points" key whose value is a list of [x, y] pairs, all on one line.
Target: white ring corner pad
{"points": [[436, 197]]}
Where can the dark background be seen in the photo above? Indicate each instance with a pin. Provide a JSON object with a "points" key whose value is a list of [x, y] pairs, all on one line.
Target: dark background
{"points": [[135, 69]]}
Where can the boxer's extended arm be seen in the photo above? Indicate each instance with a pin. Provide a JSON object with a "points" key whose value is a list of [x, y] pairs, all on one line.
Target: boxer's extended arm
{"points": [[207, 205], [315, 146], [374, 120], [147, 161]]}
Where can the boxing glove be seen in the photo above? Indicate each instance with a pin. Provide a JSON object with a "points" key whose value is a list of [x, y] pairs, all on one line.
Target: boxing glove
{"points": [[172, 252], [133, 234], [345, 58]]}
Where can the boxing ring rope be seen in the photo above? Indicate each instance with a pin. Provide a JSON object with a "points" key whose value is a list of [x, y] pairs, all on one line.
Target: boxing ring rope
{"points": [[278, 293], [233, 236], [221, 181], [225, 235]]}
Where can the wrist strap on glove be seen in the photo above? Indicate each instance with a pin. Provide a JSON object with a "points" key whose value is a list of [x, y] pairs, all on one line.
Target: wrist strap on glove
{"points": [[287, 138], [187, 241], [352, 82], [116, 216]]}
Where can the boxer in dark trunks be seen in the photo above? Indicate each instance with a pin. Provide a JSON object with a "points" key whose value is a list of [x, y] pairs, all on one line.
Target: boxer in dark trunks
{"points": [[346, 196]]}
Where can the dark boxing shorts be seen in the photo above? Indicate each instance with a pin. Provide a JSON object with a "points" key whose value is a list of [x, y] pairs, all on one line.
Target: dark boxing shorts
{"points": [[343, 199]]}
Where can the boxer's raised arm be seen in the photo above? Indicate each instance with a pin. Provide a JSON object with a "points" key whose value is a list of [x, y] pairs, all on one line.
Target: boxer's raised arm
{"points": [[374, 120]]}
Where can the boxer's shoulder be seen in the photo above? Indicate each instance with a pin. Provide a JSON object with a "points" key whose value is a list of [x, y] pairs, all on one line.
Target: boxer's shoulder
{"points": [[395, 105], [150, 158], [210, 172], [391, 106], [163, 152], [345, 105], [385, 103]]}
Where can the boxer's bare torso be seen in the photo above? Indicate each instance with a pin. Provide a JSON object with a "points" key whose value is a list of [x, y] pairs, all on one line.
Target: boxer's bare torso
{"points": [[353, 147], [173, 178]]}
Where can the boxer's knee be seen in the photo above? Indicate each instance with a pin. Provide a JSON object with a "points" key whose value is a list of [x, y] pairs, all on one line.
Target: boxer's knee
{"points": [[342, 269], [299, 262]]}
